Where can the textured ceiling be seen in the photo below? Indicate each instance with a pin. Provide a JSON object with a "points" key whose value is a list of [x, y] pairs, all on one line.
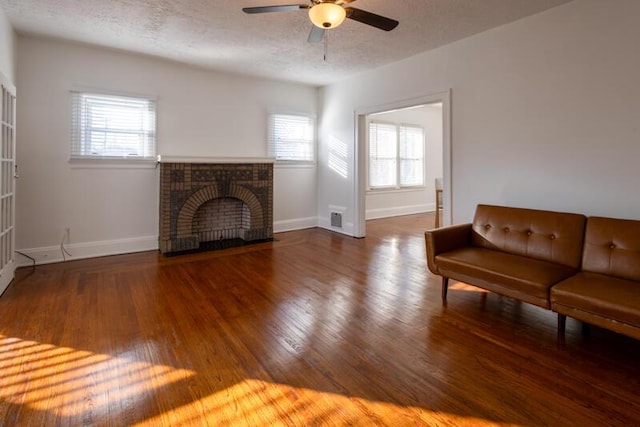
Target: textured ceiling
{"points": [[216, 34]]}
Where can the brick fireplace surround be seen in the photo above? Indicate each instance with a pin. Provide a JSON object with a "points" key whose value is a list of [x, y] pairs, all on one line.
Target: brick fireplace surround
{"points": [[209, 205]]}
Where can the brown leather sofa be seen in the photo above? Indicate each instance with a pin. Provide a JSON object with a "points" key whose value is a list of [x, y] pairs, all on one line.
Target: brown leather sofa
{"points": [[606, 292], [543, 258]]}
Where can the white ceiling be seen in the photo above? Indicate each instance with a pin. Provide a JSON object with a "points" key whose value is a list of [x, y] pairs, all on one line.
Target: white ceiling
{"points": [[216, 34]]}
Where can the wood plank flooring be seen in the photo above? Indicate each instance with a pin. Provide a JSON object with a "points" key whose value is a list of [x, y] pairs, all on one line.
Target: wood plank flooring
{"points": [[314, 328]]}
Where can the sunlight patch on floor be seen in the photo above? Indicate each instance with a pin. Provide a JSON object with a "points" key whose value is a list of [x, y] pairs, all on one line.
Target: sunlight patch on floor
{"points": [[255, 402], [69, 382], [65, 383], [460, 286]]}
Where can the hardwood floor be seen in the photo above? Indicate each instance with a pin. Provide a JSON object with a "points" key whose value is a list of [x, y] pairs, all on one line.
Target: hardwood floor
{"points": [[315, 328]]}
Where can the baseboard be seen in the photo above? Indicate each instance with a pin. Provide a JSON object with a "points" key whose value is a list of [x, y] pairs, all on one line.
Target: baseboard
{"points": [[6, 275], [399, 210], [294, 224], [51, 254]]}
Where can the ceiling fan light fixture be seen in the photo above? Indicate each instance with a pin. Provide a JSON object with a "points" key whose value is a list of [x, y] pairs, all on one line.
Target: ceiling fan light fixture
{"points": [[327, 15]]}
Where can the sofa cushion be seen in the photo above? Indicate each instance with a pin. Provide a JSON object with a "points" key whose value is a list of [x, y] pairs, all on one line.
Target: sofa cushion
{"points": [[548, 236], [612, 247], [601, 295], [522, 274]]}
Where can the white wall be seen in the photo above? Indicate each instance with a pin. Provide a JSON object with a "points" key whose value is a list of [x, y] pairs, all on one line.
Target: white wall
{"points": [[7, 48], [385, 203], [200, 113], [294, 197], [545, 112]]}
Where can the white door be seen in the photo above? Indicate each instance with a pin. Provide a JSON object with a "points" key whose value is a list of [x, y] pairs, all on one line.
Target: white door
{"points": [[7, 182]]}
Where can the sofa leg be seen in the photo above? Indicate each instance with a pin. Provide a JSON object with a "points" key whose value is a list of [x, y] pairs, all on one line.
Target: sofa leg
{"points": [[445, 286], [562, 322], [586, 330]]}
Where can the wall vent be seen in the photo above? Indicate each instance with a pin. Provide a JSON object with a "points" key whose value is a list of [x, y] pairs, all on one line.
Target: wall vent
{"points": [[336, 219]]}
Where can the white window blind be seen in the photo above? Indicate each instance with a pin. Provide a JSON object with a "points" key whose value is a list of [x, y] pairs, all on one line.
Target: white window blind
{"points": [[291, 137], [108, 126], [383, 151], [396, 155], [411, 156]]}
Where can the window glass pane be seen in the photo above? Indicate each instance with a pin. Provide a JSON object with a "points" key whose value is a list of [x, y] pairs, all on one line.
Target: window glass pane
{"points": [[291, 137], [383, 148], [411, 173], [411, 156], [382, 173]]}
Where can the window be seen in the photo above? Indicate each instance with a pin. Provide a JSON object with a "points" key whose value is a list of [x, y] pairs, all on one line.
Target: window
{"points": [[396, 155], [107, 126], [292, 137]]}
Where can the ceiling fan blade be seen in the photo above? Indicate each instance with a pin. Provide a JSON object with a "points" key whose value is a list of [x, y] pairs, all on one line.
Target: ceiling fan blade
{"points": [[281, 8], [316, 34], [372, 19]]}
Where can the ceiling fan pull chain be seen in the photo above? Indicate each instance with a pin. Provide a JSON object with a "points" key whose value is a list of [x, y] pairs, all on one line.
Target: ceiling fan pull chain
{"points": [[326, 44]]}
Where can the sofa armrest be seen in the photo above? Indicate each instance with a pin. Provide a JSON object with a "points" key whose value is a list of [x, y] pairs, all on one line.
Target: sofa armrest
{"points": [[440, 240]]}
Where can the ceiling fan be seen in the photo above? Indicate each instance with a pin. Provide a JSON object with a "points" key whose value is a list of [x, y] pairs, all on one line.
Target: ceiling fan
{"points": [[326, 14]]}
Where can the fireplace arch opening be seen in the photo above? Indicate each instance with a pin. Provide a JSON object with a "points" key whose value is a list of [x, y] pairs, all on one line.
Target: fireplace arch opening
{"points": [[220, 219]]}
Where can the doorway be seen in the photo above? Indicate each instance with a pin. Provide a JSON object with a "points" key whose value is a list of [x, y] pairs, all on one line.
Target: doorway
{"points": [[439, 101]]}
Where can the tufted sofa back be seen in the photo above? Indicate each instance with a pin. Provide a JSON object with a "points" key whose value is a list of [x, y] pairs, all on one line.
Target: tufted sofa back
{"points": [[612, 247], [545, 235]]}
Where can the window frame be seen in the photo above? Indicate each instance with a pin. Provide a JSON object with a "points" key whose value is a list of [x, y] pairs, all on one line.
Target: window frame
{"points": [[397, 186], [272, 143], [78, 141]]}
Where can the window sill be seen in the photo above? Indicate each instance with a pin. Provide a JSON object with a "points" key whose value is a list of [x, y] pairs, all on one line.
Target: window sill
{"points": [[397, 190], [111, 163], [294, 164]]}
